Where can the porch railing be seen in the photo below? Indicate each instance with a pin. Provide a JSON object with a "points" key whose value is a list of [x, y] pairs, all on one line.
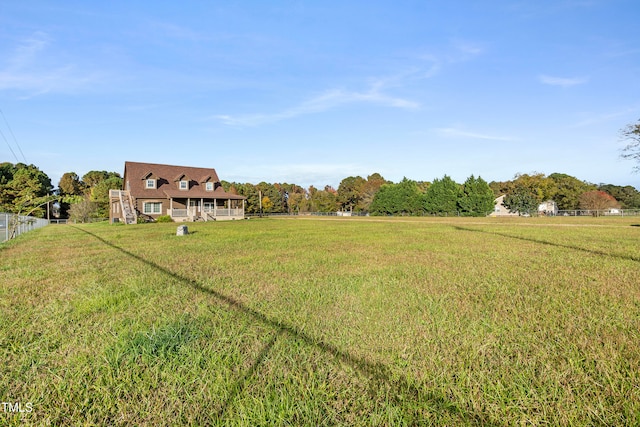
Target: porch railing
{"points": [[211, 213], [181, 213], [224, 212]]}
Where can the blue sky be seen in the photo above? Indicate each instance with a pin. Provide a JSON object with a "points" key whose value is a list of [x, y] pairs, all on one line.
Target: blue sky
{"points": [[310, 92]]}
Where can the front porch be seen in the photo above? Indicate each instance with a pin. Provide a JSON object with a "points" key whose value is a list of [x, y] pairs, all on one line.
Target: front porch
{"points": [[183, 210]]}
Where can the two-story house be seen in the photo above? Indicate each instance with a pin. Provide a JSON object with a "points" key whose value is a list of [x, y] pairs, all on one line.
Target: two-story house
{"points": [[182, 192]]}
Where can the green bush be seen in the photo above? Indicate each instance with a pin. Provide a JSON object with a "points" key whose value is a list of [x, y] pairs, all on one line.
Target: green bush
{"points": [[164, 218]]}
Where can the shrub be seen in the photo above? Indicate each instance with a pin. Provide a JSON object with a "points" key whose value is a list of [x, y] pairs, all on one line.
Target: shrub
{"points": [[164, 218]]}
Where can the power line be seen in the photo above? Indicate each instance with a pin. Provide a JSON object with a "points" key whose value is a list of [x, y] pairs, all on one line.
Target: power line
{"points": [[10, 149], [14, 139]]}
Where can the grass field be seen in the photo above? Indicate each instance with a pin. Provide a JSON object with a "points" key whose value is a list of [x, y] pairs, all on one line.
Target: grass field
{"points": [[342, 321]]}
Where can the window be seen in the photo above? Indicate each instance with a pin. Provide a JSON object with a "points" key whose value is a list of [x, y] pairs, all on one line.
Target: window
{"points": [[152, 207], [151, 183], [184, 185], [209, 186]]}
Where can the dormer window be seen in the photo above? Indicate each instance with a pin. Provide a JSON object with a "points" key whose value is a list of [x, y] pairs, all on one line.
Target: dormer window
{"points": [[209, 186], [183, 185], [150, 183]]}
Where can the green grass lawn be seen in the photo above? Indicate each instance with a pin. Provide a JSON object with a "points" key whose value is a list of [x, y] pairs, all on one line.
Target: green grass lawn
{"points": [[342, 321]]}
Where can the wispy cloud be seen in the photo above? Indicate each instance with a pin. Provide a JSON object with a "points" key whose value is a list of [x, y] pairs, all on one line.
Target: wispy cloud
{"points": [[461, 133], [466, 50], [31, 69], [325, 101], [379, 91], [458, 51], [28, 50], [562, 81]]}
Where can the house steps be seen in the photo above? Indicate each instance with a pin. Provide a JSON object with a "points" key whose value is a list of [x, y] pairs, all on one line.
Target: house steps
{"points": [[127, 208]]}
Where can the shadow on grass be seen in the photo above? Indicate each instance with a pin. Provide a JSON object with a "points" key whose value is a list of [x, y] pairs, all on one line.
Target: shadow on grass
{"points": [[544, 242], [239, 385], [412, 400]]}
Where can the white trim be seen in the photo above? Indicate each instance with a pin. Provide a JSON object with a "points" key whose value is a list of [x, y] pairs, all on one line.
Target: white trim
{"points": [[149, 208]]}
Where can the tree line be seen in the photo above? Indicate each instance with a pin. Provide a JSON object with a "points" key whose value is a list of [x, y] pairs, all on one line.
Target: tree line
{"points": [[26, 189], [474, 197]]}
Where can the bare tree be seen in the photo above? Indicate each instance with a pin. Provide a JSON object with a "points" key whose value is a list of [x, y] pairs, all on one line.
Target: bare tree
{"points": [[631, 135], [83, 211]]}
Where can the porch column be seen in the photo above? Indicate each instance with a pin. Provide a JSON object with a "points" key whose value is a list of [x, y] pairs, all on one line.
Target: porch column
{"points": [[229, 203], [171, 206]]}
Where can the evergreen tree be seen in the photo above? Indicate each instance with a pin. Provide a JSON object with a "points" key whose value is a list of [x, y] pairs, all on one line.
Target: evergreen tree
{"points": [[248, 190], [404, 198], [442, 197], [477, 197]]}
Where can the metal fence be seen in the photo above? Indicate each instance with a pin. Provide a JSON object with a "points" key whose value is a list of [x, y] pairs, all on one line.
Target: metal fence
{"points": [[256, 214], [564, 213], [12, 225], [605, 212]]}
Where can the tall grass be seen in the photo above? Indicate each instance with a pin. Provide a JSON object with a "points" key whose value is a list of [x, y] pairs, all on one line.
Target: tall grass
{"points": [[324, 322]]}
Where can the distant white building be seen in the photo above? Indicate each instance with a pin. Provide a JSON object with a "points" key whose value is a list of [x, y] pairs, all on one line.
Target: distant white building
{"points": [[548, 208], [500, 209]]}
